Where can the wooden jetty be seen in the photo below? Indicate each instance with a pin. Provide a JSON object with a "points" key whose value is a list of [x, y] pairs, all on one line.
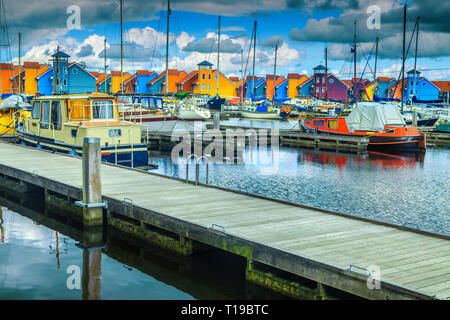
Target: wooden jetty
{"points": [[284, 243]]}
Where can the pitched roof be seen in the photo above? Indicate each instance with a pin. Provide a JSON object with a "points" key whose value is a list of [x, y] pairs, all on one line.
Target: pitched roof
{"points": [[302, 84], [7, 66], [61, 54], [35, 65], [16, 72], [398, 84], [101, 79], [96, 74], [384, 79], [144, 72], [442, 85], [235, 79], [204, 63], [295, 76], [280, 81], [162, 74], [186, 78], [319, 67]]}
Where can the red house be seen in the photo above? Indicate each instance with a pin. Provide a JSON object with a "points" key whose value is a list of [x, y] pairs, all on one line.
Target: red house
{"points": [[331, 88]]}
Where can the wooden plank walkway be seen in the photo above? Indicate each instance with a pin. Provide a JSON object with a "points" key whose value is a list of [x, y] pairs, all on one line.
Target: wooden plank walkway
{"points": [[309, 242]]}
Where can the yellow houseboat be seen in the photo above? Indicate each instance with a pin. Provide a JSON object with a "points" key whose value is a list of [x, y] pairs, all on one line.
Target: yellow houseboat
{"points": [[60, 123]]}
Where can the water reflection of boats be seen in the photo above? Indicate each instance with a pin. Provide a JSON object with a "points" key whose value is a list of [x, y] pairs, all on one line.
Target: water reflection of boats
{"points": [[341, 160]]}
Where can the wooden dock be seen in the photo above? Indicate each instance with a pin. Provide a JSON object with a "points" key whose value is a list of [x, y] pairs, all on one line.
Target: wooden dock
{"points": [[335, 250]]}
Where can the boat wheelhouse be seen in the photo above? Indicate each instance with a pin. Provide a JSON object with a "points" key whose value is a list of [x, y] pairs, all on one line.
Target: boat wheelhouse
{"points": [[60, 122], [382, 123]]}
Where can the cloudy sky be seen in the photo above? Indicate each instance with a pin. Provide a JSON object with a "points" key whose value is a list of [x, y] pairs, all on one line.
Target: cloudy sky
{"points": [[301, 28]]}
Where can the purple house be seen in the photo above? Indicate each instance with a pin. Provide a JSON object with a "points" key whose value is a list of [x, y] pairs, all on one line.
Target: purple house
{"points": [[333, 89]]}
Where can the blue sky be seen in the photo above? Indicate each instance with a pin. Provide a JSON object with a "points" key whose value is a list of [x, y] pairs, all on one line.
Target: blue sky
{"points": [[303, 29]]}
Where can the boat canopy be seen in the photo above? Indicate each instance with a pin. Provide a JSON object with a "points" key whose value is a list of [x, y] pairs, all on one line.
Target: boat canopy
{"points": [[13, 101], [373, 116]]}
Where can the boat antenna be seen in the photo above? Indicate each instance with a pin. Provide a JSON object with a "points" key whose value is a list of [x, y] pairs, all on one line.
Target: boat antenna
{"points": [[105, 64], [275, 72], [121, 46], [326, 74], [403, 56], [167, 48], [354, 64], [254, 56], [415, 56], [56, 69], [218, 59]]}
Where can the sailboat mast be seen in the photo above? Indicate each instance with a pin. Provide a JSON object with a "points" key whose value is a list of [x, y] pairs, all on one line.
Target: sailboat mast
{"points": [[254, 56], [403, 56], [19, 67], [326, 74], [105, 63], [56, 68], [415, 55], [121, 46], [275, 72], [354, 64], [376, 59], [218, 59], [167, 48]]}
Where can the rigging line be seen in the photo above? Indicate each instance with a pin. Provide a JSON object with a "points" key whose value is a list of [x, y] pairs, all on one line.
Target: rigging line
{"points": [[246, 64], [367, 59], [157, 35]]}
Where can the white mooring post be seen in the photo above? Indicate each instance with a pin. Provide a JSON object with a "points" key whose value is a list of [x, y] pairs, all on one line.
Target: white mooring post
{"points": [[92, 188]]}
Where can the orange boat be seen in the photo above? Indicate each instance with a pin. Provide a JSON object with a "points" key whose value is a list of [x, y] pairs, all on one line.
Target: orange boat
{"points": [[381, 122]]}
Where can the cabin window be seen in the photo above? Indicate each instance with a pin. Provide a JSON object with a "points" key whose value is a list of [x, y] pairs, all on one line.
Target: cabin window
{"points": [[102, 110], [45, 114], [36, 110], [74, 133], [332, 124], [114, 133], [319, 123], [390, 131], [56, 115]]}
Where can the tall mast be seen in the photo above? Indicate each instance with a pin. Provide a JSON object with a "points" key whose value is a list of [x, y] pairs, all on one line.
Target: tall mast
{"points": [[19, 65], [376, 58], [415, 56], [56, 68], [254, 56], [403, 56], [354, 64], [121, 47], [326, 74], [218, 59], [167, 48], [275, 72], [105, 64]]}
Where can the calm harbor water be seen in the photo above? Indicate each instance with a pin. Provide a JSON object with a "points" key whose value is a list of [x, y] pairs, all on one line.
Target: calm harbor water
{"points": [[399, 189]]}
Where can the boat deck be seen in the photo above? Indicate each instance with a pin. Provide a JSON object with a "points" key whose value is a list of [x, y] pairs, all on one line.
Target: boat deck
{"points": [[309, 242]]}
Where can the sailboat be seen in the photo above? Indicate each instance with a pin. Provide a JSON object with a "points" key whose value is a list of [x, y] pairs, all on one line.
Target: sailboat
{"points": [[262, 109], [381, 122]]}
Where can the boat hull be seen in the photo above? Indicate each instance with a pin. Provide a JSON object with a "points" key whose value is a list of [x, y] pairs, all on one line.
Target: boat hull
{"points": [[443, 127], [194, 115], [126, 155], [260, 115], [408, 143]]}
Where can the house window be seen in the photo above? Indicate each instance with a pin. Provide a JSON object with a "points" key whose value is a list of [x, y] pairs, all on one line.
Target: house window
{"points": [[330, 81], [323, 79], [209, 76], [203, 76], [65, 70], [65, 82], [323, 89], [203, 86], [209, 87], [317, 90], [317, 80], [412, 83]]}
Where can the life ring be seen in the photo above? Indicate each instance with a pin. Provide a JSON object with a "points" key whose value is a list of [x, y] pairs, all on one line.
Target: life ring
{"points": [[301, 116], [287, 110], [269, 109]]}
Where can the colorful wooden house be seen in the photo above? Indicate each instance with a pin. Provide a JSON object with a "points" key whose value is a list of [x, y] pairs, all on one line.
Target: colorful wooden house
{"points": [[420, 87], [158, 84], [137, 83], [294, 82], [245, 88], [305, 89], [6, 73], [329, 88], [444, 90], [383, 84], [70, 78]]}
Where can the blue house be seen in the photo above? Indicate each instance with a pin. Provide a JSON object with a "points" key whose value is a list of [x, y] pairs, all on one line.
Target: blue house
{"points": [[281, 90], [383, 84], [420, 87], [137, 83], [305, 89], [155, 85], [71, 78]]}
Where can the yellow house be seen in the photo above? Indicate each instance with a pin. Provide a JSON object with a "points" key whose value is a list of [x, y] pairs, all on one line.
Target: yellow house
{"points": [[368, 91], [206, 83], [116, 80], [32, 71], [295, 80]]}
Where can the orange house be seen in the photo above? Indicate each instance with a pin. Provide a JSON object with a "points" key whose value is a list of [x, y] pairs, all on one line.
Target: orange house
{"points": [[295, 80], [6, 73]]}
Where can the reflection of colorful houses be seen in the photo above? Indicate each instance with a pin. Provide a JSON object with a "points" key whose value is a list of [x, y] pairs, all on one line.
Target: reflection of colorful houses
{"points": [[331, 88]]}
